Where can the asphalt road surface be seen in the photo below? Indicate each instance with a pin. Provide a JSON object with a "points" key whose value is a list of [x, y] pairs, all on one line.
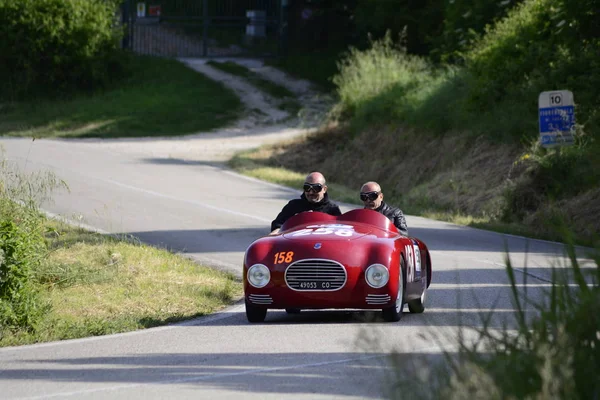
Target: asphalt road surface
{"points": [[184, 200]]}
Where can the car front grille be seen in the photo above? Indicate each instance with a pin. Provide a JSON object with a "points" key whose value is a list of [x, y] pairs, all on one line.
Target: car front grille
{"points": [[315, 275]]}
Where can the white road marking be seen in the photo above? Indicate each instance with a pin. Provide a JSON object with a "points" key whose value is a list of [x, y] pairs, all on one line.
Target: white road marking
{"points": [[521, 270], [157, 194], [194, 202]]}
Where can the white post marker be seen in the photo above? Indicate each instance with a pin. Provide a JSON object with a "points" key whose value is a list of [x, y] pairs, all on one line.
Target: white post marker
{"points": [[556, 117], [141, 10]]}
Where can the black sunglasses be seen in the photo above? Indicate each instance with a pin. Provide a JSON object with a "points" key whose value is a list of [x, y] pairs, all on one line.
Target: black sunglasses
{"points": [[371, 196], [315, 187]]}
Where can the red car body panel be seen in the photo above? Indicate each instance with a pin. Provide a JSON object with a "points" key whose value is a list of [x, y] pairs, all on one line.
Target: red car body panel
{"points": [[315, 249]]}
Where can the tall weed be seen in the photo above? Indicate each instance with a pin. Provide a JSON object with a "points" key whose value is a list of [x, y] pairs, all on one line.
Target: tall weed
{"points": [[22, 244], [385, 66], [552, 355], [552, 174], [21, 249]]}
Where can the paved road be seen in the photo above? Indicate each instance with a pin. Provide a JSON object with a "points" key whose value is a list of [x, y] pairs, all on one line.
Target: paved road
{"points": [[189, 203]]}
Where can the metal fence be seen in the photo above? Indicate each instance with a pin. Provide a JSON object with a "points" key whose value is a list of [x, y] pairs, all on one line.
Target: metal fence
{"points": [[205, 28]]}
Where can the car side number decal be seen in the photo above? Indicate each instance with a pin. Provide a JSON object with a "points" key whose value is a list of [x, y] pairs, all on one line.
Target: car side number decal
{"points": [[409, 268], [417, 254], [283, 256], [413, 262]]}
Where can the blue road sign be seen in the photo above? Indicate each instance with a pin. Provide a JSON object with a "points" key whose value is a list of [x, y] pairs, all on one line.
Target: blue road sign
{"points": [[557, 119]]}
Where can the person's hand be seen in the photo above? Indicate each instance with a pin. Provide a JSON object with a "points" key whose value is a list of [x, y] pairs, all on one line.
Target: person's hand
{"points": [[274, 232]]}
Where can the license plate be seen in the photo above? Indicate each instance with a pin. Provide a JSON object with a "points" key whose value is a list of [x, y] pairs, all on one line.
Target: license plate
{"points": [[314, 285]]}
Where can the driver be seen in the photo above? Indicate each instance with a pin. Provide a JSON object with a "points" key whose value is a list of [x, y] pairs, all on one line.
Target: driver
{"points": [[314, 198], [372, 197]]}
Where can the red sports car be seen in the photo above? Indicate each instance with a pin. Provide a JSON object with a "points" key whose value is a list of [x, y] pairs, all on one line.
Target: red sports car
{"points": [[358, 260]]}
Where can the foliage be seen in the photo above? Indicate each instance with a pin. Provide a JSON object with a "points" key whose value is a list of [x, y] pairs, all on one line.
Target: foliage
{"points": [[550, 351], [555, 355], [160, 97], [60, 282], [99, 284], [539, 46], [21, 247], [464, 22], [384, 67], [56, 45], [551, 175], [320, 26], [421, 20], [319, 67]]}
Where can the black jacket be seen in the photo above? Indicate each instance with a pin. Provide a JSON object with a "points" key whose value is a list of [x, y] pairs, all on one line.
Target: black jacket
{"points": [[296, 206], [395, 215]]}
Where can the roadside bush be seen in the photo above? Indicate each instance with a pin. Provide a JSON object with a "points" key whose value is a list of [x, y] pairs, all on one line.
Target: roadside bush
{"points": [[365, 76], [22, 244], [556, 355], [57, 46], [551, 175], [552, 355], [21, 248], [464, 22], [422, 20], [541, 45]]}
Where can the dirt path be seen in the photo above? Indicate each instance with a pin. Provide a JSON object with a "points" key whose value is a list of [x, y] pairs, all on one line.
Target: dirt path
{"points": [[263, 123]]}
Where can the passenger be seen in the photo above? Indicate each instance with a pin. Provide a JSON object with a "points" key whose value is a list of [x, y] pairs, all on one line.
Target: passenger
{"points": [[314, 198], [372, 197]]}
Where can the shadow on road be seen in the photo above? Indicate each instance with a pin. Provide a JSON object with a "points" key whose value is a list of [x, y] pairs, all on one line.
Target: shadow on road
{"points": [[201, 240], [367, 375]]}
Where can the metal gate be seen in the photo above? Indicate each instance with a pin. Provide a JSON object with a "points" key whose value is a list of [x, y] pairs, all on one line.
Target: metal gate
{"points": [[204, 28]]}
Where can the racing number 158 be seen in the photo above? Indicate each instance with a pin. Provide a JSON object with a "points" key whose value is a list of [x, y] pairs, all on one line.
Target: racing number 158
{"points": [[283, 256]]}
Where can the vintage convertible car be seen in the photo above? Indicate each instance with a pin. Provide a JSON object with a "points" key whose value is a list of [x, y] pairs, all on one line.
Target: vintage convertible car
{"points": [[358, 260]]}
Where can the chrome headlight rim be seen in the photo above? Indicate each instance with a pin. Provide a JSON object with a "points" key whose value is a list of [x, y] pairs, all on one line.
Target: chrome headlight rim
{"points": [[254, 278], [373, 268]]}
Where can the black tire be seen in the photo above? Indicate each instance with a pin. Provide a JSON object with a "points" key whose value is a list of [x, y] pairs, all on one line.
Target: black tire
{"points": [[292, 310], [394, 313], [417, 306], [255, 313]]}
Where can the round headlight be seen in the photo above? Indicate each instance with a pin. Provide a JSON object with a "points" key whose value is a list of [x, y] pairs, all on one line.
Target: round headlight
{"points": [[377, 275], [259, 275]]}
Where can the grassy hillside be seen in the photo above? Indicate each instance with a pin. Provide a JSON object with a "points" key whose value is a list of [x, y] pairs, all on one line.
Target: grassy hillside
{"points": [[462, 139], [158, 97]]}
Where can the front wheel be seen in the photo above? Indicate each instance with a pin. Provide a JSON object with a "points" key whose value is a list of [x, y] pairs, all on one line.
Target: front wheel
{"points": [[394, 314], [254, 313]]}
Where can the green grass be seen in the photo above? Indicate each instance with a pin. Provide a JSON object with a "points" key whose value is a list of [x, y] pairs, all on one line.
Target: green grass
{"points": [[282, 93], [97, 285], [318, 67], [260, 164], [62, 282], [160, 97]]}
